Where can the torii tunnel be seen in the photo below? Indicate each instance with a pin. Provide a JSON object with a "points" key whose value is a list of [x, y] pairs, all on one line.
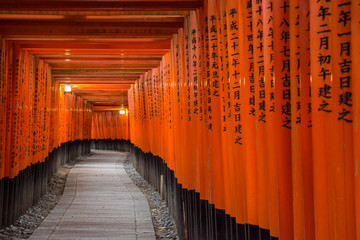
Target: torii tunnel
{"points": [[249, 109]]}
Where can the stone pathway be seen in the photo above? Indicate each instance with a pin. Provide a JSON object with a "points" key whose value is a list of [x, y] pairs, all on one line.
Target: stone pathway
{"points": [[99, 202]]}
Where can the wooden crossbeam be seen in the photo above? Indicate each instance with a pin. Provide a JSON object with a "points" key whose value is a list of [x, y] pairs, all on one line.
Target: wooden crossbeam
{"points": [[101, 5]]}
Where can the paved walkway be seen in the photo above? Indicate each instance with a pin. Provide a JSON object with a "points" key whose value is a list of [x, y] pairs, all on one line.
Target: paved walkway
{"points": [[100, 202]]}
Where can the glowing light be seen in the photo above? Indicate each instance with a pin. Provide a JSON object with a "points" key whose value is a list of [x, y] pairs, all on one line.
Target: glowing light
{"points": [[67, 88], [67, 60], [122, 111]]}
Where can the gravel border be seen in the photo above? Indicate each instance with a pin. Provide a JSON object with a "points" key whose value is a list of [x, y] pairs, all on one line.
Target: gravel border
{"points": [[27, 223], [163, 222]]}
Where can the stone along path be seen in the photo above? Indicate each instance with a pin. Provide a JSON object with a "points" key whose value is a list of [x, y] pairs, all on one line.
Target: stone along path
{"points": [[99, 202]]}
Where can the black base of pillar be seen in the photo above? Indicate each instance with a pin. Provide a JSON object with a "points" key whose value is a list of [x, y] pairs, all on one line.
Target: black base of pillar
{"points": [[195, 218], [111, 144], [23, 191]]}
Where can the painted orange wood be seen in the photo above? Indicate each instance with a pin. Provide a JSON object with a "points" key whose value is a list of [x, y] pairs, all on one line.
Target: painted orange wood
{"points": [[253, 104]]}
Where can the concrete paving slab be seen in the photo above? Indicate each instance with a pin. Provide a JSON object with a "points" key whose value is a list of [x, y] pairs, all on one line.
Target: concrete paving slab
{"points": [[99, 202]]}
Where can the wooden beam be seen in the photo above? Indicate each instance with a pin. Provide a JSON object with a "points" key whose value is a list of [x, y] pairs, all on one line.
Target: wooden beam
{"points": [[135, 38], [101, 13], [89, 57], [105, 51], [83, 24], [94, 18], [98, 81], [101, 87], [95, 76], [89, 45], [106, 72], [105, 108], [90, 32], [100, 5], [84, 94]]}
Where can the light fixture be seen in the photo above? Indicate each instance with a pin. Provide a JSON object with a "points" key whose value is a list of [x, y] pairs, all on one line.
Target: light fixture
{"points": [[122, 112], [67, 88], [67, 60]]}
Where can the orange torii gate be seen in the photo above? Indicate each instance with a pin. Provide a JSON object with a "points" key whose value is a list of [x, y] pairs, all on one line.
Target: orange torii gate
{"points": [[249, 109], [262, 117]]}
